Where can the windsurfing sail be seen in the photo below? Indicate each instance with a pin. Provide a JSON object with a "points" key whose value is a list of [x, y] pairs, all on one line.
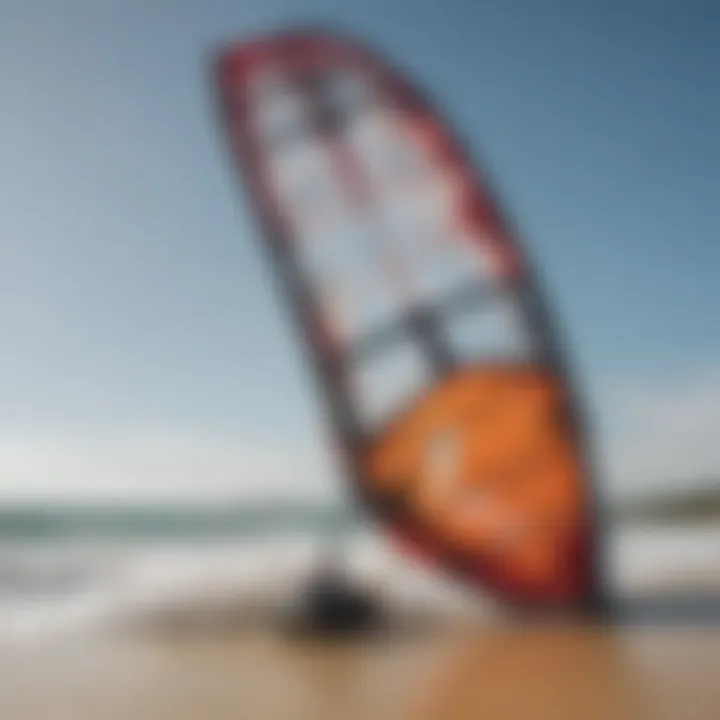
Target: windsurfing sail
{"points": [[433, 349]]}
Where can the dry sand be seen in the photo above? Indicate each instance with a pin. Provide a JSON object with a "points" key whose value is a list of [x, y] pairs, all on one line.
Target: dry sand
{"points": [[493, 672]]}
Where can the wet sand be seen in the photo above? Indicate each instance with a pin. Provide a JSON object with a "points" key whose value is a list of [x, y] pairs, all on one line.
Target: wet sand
{"points": [[492, 672]]}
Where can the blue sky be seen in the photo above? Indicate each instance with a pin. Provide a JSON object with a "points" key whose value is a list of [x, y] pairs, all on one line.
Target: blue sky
{"points": [[136, 311]]}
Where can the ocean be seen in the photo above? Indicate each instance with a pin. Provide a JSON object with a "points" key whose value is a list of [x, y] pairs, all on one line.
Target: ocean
{"points": [[71, 569]]}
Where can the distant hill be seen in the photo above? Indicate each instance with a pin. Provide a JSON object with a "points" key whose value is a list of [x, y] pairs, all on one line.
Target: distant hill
{"points": [[699, 503]]}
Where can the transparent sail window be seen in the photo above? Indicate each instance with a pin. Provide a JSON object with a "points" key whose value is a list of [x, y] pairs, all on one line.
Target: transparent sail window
{"points": [[494, 331], [388, 383]]}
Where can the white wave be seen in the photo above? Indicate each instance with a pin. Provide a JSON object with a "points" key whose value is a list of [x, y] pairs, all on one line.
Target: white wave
{"points": [[117, 585], [79, 589]]}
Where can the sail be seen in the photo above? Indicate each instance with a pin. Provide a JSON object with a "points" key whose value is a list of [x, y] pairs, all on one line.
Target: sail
{"points": [[431, 344]]}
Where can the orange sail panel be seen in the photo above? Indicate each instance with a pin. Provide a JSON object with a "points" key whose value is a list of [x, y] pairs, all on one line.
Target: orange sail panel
{"points": [[432, 346]]}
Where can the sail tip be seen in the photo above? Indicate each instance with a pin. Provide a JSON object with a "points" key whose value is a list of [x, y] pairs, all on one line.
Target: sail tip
{"points": [[294, 41]]}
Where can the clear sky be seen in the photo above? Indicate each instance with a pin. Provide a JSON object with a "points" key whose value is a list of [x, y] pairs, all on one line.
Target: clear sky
{"points": [[143, 347]]}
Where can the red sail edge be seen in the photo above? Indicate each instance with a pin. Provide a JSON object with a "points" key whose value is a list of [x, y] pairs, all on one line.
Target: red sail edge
{"points": [[481, 467]]}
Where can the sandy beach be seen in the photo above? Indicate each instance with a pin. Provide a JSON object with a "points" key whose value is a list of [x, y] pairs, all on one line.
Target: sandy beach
{"points": [[491, 672], [185, 634]]}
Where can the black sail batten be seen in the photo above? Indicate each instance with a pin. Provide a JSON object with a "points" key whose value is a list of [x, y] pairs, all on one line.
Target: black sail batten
{"points": [[523, 367]]}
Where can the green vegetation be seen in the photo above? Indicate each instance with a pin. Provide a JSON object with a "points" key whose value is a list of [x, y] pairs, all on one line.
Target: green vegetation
{"points": [[699, 503]]}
